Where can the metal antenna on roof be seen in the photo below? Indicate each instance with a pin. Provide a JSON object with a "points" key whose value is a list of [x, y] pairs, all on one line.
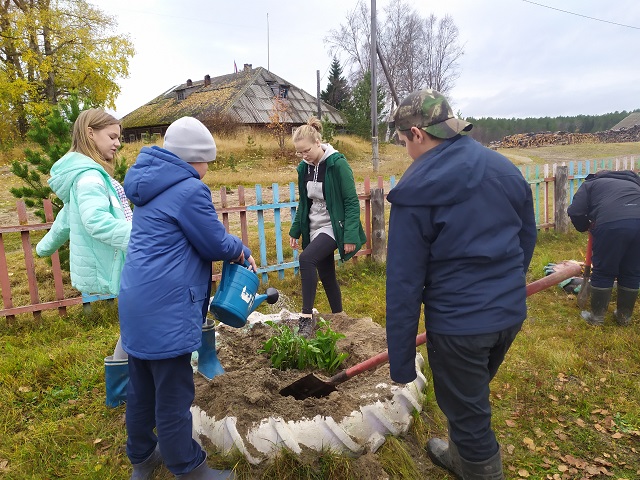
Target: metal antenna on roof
{"points": [[268, 69]]}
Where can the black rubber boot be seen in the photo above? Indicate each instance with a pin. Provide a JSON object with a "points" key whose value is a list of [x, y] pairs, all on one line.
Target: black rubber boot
{"points": [[599, 303], [624, 307], [204, 472], [445, 455], [490, 469], [144, 470]]}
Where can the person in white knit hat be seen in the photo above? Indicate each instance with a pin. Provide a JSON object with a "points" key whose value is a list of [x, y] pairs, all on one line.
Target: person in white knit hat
{"points": [[165, 288]]}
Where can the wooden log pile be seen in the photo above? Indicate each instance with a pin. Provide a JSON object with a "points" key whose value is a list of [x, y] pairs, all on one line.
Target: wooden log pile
{"points": [[544, 139]]}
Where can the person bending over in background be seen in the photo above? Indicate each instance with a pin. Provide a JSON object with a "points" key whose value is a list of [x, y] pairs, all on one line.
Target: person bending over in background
{"points": [[328, 217], [461, 236], [164, 294], [96, 220], [608, 204]]}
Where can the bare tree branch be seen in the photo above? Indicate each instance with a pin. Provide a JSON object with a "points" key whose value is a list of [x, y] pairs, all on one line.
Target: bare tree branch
{"points": [[419, 52]]}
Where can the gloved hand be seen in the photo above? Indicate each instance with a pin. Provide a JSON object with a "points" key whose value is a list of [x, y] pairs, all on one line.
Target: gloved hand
{"points": [[571, 285], [549, 268]]}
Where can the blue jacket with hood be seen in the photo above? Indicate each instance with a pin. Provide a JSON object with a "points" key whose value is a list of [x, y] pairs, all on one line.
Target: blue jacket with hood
{"points": [[166, 279], [461, 235]]}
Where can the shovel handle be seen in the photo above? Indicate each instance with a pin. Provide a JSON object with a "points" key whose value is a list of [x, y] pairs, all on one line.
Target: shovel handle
{"points": [[569, 270], [587, 260], [369, 363]]}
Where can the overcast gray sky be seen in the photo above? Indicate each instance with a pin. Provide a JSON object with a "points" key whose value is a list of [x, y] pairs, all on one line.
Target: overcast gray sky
{"points": [[521, 59]]}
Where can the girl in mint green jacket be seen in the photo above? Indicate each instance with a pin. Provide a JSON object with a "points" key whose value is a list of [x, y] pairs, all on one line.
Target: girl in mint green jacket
{"points": [[95, 219]]}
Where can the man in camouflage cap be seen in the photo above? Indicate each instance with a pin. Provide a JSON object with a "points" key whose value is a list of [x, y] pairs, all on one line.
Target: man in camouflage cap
{"points": [[429, 110], [461, 236]]}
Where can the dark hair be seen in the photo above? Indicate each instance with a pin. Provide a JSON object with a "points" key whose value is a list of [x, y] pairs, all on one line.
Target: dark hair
{"points": [[409, 134]]}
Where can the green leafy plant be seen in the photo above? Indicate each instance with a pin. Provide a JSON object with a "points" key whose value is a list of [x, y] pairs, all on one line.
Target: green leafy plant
{"points": [[289, 350]]}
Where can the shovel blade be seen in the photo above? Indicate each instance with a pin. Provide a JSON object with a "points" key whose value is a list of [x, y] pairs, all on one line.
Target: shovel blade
{"points": [[308, 386], [584, 294]]}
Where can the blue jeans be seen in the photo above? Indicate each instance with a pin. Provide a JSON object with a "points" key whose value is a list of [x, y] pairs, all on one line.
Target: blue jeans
{"points": [[462, 368], [159, 396]]}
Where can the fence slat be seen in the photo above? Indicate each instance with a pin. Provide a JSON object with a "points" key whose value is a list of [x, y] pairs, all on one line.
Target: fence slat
{"points": [[55, 262], [261, 233], [277, 225], [5, 283], [292, 198], [223, 202], [243, 216], [28, 258]]}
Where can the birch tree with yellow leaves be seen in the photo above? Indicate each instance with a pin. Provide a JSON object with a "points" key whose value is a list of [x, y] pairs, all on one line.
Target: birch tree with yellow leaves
{"points": [[51, 49]]}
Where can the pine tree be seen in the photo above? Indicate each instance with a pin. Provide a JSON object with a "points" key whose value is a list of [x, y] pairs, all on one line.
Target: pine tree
{"points": [[358, 108], [53, 136], [337, 92]]}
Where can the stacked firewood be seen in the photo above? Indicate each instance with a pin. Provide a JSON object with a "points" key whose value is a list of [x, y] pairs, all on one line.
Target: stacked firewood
{"points": [[543, 139]]}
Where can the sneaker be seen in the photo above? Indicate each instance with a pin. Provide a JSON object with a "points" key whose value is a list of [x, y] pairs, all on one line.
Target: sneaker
{"points": [[307, 326]]}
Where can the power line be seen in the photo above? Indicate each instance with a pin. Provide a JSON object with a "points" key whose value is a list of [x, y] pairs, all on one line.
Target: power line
{"points": [[584, 16]]}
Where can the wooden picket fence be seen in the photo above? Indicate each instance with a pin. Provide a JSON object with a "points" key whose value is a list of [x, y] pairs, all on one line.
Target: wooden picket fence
{"points": [[263, 223], [253, 220], [542, 180]]}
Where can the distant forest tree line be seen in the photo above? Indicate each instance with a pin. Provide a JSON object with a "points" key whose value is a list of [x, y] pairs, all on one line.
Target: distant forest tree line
{"points": [[487, 130], [354, 102]]}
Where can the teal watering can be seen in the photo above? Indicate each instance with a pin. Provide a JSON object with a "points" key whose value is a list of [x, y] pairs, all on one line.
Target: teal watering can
{"points": [[236, 296]]}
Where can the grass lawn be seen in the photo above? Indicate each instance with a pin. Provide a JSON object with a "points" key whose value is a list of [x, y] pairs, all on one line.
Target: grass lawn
{"points": [[565, 401]]}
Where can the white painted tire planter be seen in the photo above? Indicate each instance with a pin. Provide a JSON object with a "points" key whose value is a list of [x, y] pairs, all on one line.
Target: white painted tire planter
{"points": [[363, 430]]}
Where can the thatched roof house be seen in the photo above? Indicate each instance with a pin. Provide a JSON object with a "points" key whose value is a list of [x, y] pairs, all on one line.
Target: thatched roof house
{"points": [[628, 122], [246, 97]]}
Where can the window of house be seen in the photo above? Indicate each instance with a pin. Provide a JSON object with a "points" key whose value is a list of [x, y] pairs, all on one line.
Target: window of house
{"points": [[275, 89], [180, 95]]}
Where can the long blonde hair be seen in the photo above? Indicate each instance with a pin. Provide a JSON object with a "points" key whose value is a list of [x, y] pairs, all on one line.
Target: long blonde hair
{"points": [[312, 131], [97, 119]]}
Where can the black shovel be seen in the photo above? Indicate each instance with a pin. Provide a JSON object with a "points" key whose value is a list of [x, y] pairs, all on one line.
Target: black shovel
{"points": [[312, 386]]}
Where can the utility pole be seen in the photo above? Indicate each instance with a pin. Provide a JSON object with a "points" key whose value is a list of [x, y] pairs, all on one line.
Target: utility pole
{"points": [[374, 89], [268, 69], [318, 93], [387, 74]]}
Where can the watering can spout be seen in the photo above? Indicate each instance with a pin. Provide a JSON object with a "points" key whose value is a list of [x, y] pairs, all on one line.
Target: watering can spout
{"points": [[236, 296], [271, 296]]}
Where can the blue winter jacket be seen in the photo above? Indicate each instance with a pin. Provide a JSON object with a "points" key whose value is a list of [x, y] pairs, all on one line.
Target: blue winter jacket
{"points": [[461, 236], [166, 279]]}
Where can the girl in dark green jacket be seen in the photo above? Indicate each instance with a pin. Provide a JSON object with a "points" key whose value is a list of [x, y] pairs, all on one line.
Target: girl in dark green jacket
{"points": [[328, 217]]}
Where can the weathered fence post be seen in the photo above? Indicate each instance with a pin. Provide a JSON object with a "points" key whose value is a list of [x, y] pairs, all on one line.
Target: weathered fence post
{"points": [[561, 219], [378, 235]]}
